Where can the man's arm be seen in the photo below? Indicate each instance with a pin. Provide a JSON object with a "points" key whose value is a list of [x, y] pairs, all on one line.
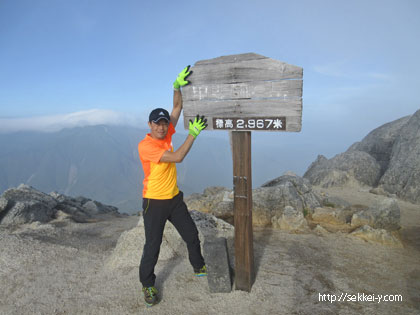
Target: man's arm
{"points": [[176, 111], [180, 81], [179, 155]]}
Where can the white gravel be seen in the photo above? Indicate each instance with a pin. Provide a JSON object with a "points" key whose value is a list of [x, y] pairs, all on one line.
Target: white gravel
{"points": [[59, 269]]}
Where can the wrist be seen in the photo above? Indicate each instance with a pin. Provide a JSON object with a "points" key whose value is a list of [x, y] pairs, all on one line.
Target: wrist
{"points": [[192, 133], [176, 85]]}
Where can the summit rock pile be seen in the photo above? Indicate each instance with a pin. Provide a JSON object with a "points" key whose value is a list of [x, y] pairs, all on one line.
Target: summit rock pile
{"points": [[25, 204], [387, 160]]}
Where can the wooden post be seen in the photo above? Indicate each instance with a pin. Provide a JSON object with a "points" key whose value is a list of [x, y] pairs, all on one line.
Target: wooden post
{"points": [[242, 183], [243, 93]]}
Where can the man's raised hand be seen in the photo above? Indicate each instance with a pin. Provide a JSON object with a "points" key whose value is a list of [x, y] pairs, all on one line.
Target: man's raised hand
{"points": [[181, 79], [197, 125]]}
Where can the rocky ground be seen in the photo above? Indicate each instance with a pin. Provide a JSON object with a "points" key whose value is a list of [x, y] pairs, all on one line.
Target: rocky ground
{"points": [[60, 268]]}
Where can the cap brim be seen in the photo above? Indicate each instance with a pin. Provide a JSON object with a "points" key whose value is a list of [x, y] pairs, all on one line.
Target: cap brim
{"points": [[160, 118]]}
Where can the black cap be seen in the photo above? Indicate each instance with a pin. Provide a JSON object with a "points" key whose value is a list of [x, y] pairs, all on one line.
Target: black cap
{"points": [[158, 114]]}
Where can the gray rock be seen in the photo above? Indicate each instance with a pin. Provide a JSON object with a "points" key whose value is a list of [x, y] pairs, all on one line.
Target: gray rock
{"points": [[269, 200], [379, 191], [215, 200], [72, 206], [380, 141], [95, 207], [27, 212], [26, 205], [128, 250], [290, 220], [380, 236], [329, 216], [338, 171], [274, 196], [320, 230], [26, 193], [3, 204], [385, 214], [210, 226], [402, 176], [387, 157], [217, 261], [335, 202]]}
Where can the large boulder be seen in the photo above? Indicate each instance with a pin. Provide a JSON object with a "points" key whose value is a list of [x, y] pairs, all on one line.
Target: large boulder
{"points": [[3, 205], [128, 250], [380, 236], [215, 200], [290, 220], [380, 141], [25, 204], [273, 197], [384, 214], [269, 200], [329, 216], [343, 169], [402, 176], [387, 157]]}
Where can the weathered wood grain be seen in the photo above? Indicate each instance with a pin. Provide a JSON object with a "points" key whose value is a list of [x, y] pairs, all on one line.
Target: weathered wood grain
{"points": [[285, 89], [244, 107], [231, 58], [244, 71], [242, 201], [245, 85]]}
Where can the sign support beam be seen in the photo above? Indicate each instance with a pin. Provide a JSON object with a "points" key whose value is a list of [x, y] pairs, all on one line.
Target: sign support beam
{"points": [[242, 183], [243, 93]]}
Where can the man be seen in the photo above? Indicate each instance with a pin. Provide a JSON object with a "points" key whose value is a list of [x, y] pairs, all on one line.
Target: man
{"points": [[162, 199]]}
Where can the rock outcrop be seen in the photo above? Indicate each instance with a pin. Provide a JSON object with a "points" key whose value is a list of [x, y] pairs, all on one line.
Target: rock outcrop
{"points": [[289, 203], [290, 220], [127, 253], [387, 158], [381, 236], [269, 200], [384, 214], [402, 177], [25, 204]]}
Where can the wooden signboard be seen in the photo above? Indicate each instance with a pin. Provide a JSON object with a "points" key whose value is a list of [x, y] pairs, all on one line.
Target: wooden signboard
{"points": [[244, 93]]}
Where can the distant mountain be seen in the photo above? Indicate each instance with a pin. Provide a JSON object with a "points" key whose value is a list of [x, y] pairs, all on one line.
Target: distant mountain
{"points": [[102, 163]]}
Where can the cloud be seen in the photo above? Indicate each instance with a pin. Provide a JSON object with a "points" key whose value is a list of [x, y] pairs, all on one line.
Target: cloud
{"points": [[345, 70], [57, 122]]}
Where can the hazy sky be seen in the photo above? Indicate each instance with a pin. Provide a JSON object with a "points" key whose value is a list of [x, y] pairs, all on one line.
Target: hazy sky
{"points": [[60, 58]]}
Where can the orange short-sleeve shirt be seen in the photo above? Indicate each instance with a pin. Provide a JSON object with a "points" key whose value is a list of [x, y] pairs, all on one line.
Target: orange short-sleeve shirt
{"points": [[159, 177]]}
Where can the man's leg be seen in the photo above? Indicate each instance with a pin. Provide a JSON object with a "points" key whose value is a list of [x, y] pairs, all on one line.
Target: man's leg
{"points": [[155, 215], [186, 227]]}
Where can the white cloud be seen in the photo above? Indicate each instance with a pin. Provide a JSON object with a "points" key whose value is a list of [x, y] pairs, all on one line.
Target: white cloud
{"points": [[57, 122], [346, 70], [332, 69]]}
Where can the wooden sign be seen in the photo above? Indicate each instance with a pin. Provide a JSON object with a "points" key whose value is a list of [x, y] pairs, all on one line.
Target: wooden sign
{"points": [[245, 92]]}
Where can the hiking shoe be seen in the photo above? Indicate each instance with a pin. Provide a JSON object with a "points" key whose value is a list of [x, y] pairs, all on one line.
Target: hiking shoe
{"points": [[150, 296], [201, 272]]}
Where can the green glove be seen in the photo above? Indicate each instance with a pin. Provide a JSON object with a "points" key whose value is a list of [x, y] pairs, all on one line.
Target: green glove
{"points": [[199, 124], [180, 80]]}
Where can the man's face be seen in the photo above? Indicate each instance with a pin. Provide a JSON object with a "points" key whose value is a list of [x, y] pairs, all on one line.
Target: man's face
{"points": [[159, 130]]}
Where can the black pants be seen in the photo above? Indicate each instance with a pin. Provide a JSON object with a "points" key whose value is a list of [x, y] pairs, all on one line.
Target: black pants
{"points": [[155, 214]]}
